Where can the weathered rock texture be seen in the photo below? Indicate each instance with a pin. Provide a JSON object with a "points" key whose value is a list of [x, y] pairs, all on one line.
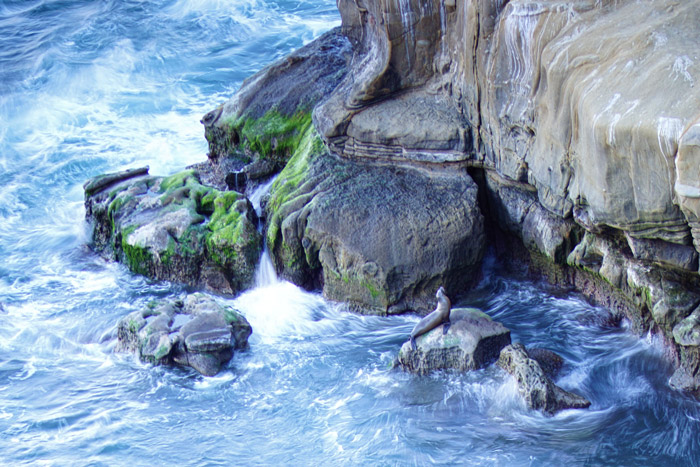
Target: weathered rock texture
{"points": [[379, 238], [175, 228], [472, 341], [581, 115], [195, 332], [382, 239], [539, 392]]}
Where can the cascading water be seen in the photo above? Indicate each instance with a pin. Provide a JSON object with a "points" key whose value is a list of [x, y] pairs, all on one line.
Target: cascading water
{"points": [[265, 274], [91, 87]]}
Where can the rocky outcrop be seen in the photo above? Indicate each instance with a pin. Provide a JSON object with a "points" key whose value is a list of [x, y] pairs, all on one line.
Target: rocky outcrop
{"points": [[548, 93], [254, 134], [472, 341], [195, 332], [535, 385], [175, 228], [381, 239], [578, 118]]}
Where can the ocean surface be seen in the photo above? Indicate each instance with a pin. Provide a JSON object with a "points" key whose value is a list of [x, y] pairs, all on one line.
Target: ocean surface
{"points": [[88, 87]]}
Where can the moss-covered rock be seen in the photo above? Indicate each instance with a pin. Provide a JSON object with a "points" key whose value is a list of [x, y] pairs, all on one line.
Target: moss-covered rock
{"points": [[258, 130], [274, 136], [175, 228], [195, 332]]}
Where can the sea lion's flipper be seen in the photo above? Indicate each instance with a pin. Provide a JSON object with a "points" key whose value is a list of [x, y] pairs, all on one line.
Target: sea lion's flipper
{"points": [[413, 343], [445, 327]]}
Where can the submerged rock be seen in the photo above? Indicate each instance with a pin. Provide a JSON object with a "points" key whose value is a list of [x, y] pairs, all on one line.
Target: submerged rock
{"points": [[535, 385], [473, 341], [195, 332], [175, 228]]}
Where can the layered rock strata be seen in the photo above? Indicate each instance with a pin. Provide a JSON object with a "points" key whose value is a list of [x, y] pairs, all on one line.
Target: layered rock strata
{"points": [[196, 332]]}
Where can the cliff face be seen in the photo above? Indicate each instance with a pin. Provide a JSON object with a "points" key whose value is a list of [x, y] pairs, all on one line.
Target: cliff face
{"points": [[583, 116], [591, 102]]}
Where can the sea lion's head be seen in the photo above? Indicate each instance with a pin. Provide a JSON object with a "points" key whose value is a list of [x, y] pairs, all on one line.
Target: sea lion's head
{"points": [[440, 291]]}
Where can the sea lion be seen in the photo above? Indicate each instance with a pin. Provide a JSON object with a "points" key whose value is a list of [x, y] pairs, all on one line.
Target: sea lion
{"points": [[441, 315]]}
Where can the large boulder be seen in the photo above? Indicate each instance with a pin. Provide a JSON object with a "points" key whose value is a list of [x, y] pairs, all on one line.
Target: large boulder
{"points": [[472, 341], [175, 228], [380, 238], [195, 332], [534, 385]]}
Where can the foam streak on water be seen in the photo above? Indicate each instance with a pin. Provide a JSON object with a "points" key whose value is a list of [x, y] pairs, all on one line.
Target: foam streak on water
{"points": [[88, 87]]}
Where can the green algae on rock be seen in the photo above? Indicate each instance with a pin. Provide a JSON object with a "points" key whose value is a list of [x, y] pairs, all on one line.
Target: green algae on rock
{"points": [[272, 136], [177, 229], [257, 130]]}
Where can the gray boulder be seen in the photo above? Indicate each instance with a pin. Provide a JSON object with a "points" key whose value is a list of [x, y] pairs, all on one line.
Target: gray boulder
{"points": [[473, 341], [539, 392], [382, 239], [195, 332]]}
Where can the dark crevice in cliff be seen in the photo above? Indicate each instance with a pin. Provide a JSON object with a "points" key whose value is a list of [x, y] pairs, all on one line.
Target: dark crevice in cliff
{"points": [[499, 242]]}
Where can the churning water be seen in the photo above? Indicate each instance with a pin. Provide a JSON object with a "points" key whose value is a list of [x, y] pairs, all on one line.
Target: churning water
{"points": [[88, 87]]}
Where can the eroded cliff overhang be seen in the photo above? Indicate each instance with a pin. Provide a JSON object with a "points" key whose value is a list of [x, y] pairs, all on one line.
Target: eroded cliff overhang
{"points": [[591, 102]]}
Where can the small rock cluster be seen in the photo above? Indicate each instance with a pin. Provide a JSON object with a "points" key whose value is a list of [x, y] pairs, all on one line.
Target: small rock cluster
{"points": [[195, 332], [475, 341], [175, 228]]}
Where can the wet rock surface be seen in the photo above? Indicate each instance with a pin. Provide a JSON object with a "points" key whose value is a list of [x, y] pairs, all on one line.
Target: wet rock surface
{"points": [[472, 341], [534, 383], [195, 332], [174, 228]]}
